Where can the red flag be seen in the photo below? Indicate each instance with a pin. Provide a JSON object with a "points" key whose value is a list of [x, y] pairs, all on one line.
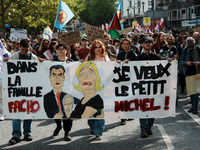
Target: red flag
{"points": [[117, 21]]}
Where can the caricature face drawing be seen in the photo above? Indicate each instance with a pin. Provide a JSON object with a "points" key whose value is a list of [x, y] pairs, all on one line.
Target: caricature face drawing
{"points": [[68, 105], [87, 78], [88, 83], [57, 77]]}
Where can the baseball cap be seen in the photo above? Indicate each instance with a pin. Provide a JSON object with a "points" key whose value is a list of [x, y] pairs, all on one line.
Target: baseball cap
{"points": [[147, 39]]}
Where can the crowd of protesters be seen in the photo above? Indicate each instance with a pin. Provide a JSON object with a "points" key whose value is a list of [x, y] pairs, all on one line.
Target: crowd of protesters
{"points": [[182, 46]]}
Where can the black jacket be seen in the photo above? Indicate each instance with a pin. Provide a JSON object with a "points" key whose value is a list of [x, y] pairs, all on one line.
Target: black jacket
{"points": [[50, 104]]}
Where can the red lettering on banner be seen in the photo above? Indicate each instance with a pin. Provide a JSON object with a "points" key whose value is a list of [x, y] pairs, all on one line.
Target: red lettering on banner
{"points": [[166, 102], [145, 104], [24, 106]]}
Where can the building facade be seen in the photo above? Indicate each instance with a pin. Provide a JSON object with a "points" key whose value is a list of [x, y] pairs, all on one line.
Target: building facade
{"points": [[181, 10], [173, 11], [135, 10]]}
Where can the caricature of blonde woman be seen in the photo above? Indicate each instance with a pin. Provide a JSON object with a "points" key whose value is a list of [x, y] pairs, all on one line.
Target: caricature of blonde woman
{"points": [[91, 104]]}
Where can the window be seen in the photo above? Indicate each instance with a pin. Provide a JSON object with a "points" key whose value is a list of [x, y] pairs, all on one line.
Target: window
{"points": [[197, 10], [169, 15], [183, 14], [130, 3], [139, 4], [138, 10], [149, 3], [149, 8], [189, 12], [174, 15]]}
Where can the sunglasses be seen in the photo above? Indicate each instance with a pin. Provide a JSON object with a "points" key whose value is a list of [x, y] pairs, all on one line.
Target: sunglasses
{"points": [[190, 46], [46, 43], [184, 37]]}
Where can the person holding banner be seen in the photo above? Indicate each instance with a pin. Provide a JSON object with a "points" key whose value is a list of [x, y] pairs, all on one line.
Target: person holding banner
{"points": [[97, 54], [22, 54], [146, 124], [50, 103], [190, 59], [92, 104], [61, 52], [126, 55]]}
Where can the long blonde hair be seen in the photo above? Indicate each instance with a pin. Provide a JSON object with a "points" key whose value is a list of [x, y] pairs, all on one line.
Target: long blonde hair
{"points": [[94, 67]]}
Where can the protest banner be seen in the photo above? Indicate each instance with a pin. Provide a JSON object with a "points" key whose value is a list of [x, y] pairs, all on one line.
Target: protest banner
{"points": [[93, 33], [147, 21], [70, 38], [17, 34], [134, 23], [47, 33], [139, 89], [126, 30], [55, 35], [193, 84]]}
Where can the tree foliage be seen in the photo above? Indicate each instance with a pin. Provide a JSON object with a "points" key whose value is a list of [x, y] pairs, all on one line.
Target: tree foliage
{"points": [[97, 12], [4, 5], [36, 14]]}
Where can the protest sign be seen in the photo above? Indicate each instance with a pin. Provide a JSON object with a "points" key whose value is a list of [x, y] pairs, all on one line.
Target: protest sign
{"points": [[47, 33], [126, 30], [17, 34], [134, 23], [55, 35], [139, 89], [70, 38], [94, 33], [193, 84], [147, 21], [196, 29]]}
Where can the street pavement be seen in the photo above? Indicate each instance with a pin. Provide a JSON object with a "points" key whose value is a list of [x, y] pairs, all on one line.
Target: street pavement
{"points": [[179, 133]]}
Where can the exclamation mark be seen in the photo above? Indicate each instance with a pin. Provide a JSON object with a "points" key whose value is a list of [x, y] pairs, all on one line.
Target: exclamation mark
{"points": [[166, 103], [28, 107]]}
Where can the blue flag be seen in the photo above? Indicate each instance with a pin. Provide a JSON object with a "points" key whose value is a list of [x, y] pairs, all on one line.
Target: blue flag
{"points": [[117, 20], [64, 15]]}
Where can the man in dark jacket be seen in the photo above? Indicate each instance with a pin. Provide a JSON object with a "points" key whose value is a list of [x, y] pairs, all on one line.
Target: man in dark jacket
{"points": [[146, 124]]}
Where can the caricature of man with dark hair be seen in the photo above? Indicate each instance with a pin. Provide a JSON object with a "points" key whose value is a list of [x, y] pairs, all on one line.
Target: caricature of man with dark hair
{"points": [[53, 104]]}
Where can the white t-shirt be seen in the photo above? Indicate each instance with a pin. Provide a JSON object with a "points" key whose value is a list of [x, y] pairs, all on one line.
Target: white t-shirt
{"points": [[16, 56]]}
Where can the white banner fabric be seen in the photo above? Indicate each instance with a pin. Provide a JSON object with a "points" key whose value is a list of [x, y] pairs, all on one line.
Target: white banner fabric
{"points": [[139, 89]]}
